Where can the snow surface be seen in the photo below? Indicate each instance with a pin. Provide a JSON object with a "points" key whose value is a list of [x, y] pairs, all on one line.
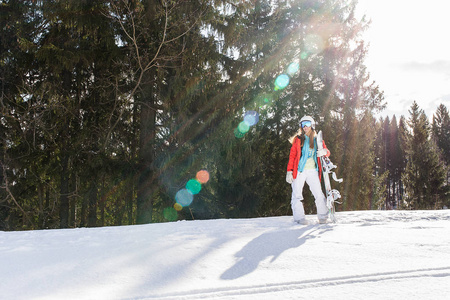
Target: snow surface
{"points": [[367, 255]]}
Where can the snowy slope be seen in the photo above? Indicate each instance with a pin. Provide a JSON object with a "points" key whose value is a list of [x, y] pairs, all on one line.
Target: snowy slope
{"points": [[367, 255]]}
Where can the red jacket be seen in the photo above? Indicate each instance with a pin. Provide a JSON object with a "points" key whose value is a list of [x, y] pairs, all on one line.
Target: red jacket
{"points": [[295, 155]]}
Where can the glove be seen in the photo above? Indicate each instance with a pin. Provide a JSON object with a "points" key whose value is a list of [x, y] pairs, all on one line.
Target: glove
{"points": [[322, 152], [289, 177]]}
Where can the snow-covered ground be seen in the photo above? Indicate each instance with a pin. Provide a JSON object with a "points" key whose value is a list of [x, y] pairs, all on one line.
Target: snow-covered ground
{"points": [[367, 255]]}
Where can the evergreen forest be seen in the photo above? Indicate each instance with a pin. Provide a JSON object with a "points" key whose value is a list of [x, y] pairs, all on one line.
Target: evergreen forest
{"points": [[120, 112]]}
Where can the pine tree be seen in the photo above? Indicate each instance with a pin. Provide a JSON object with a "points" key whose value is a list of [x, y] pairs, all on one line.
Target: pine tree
{"points": [[21, 158], [441, 136], [363, 185], [403, 134], [396, 158], [424, 175], [385, 159]]}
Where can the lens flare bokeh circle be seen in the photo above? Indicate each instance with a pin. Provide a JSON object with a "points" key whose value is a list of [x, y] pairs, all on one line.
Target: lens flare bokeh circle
{"points": [[243, 127], [170, 214], [193, 186], [202, 176], [293, 68], [281, 82], [177, 206], [238, 134], [184, 197], [251, 118]]}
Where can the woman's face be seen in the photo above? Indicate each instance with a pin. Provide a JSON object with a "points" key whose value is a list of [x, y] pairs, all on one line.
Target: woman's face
{"points": [[307, 129]]}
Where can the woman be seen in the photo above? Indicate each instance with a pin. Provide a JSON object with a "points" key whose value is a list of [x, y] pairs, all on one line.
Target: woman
{"points": [[304, 166]]}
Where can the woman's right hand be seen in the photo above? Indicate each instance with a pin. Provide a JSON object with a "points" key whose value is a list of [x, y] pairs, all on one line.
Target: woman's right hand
{"points": [[289, 177]]}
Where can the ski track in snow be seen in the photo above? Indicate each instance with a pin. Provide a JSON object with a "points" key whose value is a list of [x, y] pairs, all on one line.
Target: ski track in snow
{"points": [[298, 285]]}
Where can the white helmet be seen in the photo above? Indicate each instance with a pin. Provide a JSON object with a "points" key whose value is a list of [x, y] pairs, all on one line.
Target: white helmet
{"points": [[310, 119]]}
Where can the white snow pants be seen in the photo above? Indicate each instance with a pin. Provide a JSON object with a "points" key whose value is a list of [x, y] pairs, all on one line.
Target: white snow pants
{"points": [[311, 177]]}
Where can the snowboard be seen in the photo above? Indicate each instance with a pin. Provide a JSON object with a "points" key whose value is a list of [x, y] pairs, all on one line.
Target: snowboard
{"points": [[327, 166]]}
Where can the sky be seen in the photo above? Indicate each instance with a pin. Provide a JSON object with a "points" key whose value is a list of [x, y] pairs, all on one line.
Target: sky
{"points": [[367, 255], [409, 52]]}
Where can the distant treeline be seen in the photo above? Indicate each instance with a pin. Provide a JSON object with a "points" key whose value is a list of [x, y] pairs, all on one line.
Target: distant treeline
{"points": [[109, 108]]}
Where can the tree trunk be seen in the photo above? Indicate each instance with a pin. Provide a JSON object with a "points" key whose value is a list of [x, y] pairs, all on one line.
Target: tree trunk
{"points": [[146, 185], [73, 203], [64, 193], [92, 209], [41, 217]]}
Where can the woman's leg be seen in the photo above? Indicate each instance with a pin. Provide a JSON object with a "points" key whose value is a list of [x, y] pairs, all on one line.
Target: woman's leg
{"points": [[313, 181], [297, 197]]}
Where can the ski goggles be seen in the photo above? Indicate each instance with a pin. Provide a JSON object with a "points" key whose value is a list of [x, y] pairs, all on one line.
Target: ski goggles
{"points": [[306, 124]]}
